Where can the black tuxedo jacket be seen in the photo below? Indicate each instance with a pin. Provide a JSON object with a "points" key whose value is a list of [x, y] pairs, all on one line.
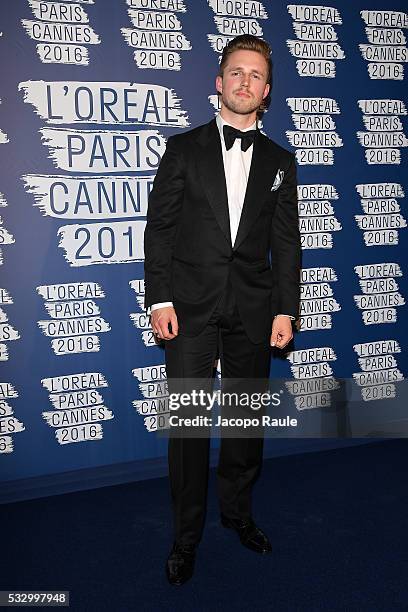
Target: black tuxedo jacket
{"points": [[188, 252]]}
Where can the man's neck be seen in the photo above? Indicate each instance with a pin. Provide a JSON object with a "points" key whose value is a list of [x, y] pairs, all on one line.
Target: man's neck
{"points": [[241, 122]]}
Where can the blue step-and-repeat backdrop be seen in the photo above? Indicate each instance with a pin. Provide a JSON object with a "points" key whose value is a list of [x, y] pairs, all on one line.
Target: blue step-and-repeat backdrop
{"points": [[90, 91]]}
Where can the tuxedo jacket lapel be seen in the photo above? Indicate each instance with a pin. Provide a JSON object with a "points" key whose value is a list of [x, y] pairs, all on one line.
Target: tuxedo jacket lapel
{"points": [[213, 176], [264, 166]]}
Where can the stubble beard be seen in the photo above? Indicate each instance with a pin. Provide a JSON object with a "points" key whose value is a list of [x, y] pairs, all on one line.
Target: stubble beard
{"points": [[244, 107]]}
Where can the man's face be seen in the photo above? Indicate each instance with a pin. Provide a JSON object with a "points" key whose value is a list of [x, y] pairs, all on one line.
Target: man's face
{"points": [[243, 85]]}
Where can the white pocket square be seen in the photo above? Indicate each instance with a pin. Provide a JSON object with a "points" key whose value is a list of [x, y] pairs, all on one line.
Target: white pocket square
{"points": [[278, 180]]}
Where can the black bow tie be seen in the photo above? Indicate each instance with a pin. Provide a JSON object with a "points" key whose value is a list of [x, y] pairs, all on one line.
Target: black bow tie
{"points": [[231, 133]]}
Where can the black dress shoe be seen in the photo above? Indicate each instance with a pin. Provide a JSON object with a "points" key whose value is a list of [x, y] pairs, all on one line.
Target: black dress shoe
{"points": [[249, 534], [180, 564]]}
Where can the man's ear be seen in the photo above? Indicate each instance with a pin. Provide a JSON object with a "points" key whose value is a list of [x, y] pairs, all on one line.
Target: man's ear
{"points": [[218, 84], [266, 91]]}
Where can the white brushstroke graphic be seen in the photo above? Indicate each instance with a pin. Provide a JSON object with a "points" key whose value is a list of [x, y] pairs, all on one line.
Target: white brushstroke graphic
{"points": [[315, 370], [72, 334], [394, 19], [154, 40], [4, 139], [110, 102], [379, 369], [313, 50], [314, 105], [5, 409], [154, 20], [77, 55], [77, 416], [316, 311], [154, 60], [317, 191], [140, 320], [378, 307], [152, 390], [318, 14], [138, 285], [380, 222], [6, 444], [382, 362], [315, 157], [236, 8], [102, 243], [317, 400], [4, 354], [76, 399], [391, 36], [382, 146], [150, 373], [312, 355], [148, 338], [60, 33], [8, 423], [147, 407], [104, 151], [68, 310], [165, 5], [316, 48], [59, 12], [380, 190], [11, 425], [373, 378], [72, 382], [384, 106], [314, 139], [313, 122], [155, 423], [87, 432], [59, 328], [7, 391], [313, 147], [8, 333], [379, 270], [376, 348], [158, 36], [315, 32], [5, 236], [71, 291], [312, 385], [315, 208], [96, 197], [380, 285], [232, 26], [375, 123]]}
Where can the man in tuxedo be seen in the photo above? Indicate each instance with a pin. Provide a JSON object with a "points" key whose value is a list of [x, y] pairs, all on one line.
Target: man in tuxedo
{"points": [[222, 268]]}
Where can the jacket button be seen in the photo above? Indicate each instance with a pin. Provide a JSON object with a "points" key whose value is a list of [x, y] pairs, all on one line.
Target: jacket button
{"points": [[231, 258]]}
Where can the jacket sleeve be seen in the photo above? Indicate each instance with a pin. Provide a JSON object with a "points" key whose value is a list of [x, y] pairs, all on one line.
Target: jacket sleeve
{"points": [[285, 246], [165, 203]]}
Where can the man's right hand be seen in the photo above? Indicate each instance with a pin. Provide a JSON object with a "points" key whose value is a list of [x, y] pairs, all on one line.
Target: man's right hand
{"points": [[160, 319]]}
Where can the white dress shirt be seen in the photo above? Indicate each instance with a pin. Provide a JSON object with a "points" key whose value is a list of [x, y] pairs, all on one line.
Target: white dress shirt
{"points": [[237, 164]]}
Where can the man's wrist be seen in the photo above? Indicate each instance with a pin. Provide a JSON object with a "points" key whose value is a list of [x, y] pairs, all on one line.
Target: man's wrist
{"points": [[158, 305]]}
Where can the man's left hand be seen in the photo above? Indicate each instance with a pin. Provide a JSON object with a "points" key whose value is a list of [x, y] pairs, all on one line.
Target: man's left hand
{"points": [[282, 332]]}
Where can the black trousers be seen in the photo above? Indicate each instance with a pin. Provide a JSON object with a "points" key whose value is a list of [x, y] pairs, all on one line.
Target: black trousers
{"points": [[240, 458]]}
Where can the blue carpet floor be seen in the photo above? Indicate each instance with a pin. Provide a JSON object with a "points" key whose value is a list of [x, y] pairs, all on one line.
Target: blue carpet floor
{"points": [[337, 519]]}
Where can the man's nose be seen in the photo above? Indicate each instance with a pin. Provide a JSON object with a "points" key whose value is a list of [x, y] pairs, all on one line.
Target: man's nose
{"points": [[245, 80]]}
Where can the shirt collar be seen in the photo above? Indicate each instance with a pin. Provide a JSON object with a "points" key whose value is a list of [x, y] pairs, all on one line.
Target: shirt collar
{"points": [[221, 122]]}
